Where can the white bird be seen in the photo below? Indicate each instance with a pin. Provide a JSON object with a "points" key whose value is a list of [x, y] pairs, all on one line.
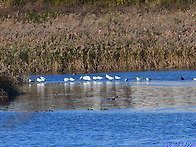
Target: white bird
{"points": [[71, 79], [147, 79], [87, 78], [66, 79], [109, 77], [194, 79], [31, 81], [81, 77], [94, 78], [97, 78], [138, 79], [41, 79], [117, 77]]}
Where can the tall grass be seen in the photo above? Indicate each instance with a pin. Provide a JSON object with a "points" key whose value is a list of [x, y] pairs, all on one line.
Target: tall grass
{"points": [[120, 38]]}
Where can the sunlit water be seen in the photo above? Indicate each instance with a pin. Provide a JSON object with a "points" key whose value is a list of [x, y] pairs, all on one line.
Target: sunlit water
{"points": [[103, 112]]}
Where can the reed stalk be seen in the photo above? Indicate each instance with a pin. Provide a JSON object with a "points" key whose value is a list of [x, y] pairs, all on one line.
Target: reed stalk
{"points": [[94, 38]]}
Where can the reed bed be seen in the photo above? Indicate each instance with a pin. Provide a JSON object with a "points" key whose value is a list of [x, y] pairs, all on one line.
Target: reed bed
{"points": [[8, 88], [90, 39]]}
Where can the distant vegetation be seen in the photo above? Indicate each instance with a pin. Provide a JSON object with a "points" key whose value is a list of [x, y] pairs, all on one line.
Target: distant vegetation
{"points": [[96, 35], [89, 39], [95, 2], [42, 10]]}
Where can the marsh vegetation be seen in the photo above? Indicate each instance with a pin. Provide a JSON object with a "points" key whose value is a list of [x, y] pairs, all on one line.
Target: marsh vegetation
{"points": [[60, 36], [7, 88]]}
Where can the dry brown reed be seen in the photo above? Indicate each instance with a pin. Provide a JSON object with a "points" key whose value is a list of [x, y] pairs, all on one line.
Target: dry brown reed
{"points": [[116, 39], [8, 88]]}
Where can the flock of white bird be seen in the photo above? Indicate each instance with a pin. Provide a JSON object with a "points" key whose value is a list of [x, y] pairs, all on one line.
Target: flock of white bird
{"points": [[88, 78]]}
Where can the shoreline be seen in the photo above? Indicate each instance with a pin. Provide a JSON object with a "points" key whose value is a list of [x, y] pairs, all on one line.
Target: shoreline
{"points": [[8, 87], [122, 71]]}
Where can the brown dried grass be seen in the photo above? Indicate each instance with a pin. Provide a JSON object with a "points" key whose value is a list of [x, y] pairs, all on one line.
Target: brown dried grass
{"points": [[121, 39]]}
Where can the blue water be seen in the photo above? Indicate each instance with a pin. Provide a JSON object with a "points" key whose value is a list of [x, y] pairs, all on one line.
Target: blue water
{"points": [[161, 112], [82, 128], [155, 76]]}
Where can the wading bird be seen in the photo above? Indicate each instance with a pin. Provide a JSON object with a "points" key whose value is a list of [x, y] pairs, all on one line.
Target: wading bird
{"points": [[97, 78], [147, 79], [71, 79], [66, 79], [117, 77], [41, 79], [87, 78], [109, 77], [138, 79]]}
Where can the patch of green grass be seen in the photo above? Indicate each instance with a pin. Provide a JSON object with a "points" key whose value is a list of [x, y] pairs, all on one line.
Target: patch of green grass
{"points": [[177, 21], [42, 17], [3, 15], [15, 2]]}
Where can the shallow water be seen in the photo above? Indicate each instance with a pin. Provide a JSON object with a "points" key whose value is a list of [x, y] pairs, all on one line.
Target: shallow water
{"points": [[96, 128], [103, 112], [165, 90]]}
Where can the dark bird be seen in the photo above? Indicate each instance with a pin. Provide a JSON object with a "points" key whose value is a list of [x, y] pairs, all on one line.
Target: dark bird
{"points": [[182, 78]]}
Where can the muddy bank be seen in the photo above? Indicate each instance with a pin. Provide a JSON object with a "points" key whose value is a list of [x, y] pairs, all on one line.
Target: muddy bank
{"points": [[124, 39]]}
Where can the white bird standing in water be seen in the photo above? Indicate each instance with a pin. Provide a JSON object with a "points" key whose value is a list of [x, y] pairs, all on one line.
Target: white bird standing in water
{"points": [[31, 81], [117, 77], [138, 79], [81, 77], [147, 79], [194, 79], [41, 79], [109, 77], [66, 79], [87, 78], [97, 78], [71, 79]]}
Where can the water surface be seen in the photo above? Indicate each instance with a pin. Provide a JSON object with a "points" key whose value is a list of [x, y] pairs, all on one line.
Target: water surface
{"points": [[103, 112], [165, 90]]}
